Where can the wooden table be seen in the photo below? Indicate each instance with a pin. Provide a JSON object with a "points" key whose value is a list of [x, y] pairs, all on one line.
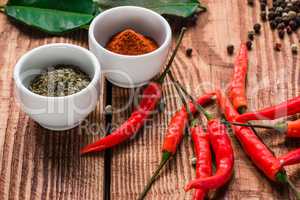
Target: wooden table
{"points": [[39, 164]]}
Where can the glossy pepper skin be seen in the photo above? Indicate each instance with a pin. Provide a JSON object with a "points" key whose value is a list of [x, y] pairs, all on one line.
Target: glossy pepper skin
{"points": [[290, 107], [203, 158], [150, 98], [293, 129], [291, 158], [261, 156], [221, 145], [236, 92], [178, 123]]}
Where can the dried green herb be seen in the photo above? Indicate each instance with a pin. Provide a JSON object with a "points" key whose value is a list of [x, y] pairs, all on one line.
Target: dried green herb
{"points": [[60, 80]]}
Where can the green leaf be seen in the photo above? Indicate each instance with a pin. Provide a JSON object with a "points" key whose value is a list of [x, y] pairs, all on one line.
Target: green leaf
{"points": [[52, 16], [180, 8], [59, 16]]}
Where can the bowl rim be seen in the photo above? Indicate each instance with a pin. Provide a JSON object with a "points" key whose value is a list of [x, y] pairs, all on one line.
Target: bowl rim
{"points": [[27, 55], [164, 45]]}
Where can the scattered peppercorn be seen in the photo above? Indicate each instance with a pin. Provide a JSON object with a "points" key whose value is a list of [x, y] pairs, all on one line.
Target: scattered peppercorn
{"points": [[250, 2], [249, 45], [189, 52], [282, 14], [263, 16], [257, 28], [251, 35], [289, 30], [230, 49], [294, 48], [281, 33], [273, 25], [277, 46]]}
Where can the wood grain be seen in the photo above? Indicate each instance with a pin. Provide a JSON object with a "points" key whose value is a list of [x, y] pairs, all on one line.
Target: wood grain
{"points": [[273, 77], [36, 163], [40, 164]]}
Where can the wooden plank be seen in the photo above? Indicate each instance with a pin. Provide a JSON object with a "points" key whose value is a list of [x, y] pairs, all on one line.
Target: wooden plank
{"points": [[273, 77], [36, 163]]}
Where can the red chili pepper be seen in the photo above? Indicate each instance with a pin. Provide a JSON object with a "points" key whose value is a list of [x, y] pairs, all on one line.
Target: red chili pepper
{"points": [[293, 128], [203, 158], [178, 122], [221, 144], [290, 107], [291, 158], [261, 156], [237, 87], [151, 96], [174, 137]]}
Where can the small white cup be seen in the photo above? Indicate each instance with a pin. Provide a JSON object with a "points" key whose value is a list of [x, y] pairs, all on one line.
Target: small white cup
{"points": [[57, 113], [125, 70]]}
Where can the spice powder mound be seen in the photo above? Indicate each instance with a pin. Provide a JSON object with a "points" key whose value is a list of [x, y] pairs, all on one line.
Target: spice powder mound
{"points": [[129, 42]]}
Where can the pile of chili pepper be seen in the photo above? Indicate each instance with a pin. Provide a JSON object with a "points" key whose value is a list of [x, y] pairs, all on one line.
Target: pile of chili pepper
{"points": [[150, 98], [175, 133]]}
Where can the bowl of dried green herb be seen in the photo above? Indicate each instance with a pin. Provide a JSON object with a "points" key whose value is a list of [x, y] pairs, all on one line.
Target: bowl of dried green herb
{"points": [[58, 85]]}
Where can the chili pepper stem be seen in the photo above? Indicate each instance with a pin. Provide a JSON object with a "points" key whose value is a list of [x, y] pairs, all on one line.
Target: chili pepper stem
{"points": [[162, 77], [277, 127], [165, 158], [200, 108]]}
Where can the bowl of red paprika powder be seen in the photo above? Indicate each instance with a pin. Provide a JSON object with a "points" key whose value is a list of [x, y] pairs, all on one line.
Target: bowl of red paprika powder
{"points": [[131, 43]]}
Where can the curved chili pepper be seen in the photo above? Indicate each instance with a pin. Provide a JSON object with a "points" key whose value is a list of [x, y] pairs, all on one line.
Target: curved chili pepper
{"points": [[174, 137], [237, 87], [290, 107], [203, 158], [291, 158], [150, 98], [291, 128], [221, 144], [175, 129], [261, 156]]}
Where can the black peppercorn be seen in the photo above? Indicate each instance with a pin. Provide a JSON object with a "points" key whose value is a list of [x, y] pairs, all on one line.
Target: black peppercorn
{"points": [[230, 49], [281, 33], [251, 35], [271, 15], [189, 52], [278, 20], [250, 2], [263, 6], [263, 16], [249, 45], [277, 47], [273, 25], [257, 28], [293, 25], [281, 26], [289, 30]]}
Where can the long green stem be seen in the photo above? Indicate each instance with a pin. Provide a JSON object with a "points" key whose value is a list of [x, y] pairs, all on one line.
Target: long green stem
{"points": [[199, 107], [163, 75], [279, 127], [165, 158]]}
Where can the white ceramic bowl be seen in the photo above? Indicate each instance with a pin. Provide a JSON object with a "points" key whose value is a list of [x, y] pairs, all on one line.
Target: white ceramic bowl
{"points": [[129, 71], [57, 113]]}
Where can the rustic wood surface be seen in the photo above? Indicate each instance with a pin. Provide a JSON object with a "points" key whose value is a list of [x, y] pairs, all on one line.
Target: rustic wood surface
{"points": [[39, 164]]}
